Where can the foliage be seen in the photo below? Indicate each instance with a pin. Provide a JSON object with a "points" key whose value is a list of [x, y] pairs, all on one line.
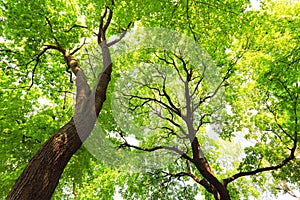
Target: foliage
{"points": [[253, 119]]}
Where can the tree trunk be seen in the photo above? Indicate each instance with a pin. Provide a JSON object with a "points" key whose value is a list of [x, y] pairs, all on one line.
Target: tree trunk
{"points": [[41, 176], [219, 190]]}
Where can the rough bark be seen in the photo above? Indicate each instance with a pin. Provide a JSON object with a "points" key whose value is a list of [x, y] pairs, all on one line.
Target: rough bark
{"points": [[42, 174], [219, 190]]}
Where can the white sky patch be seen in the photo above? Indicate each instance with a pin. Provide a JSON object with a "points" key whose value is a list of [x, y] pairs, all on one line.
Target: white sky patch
{"points": [[117, 195], [255, 4], [81, 19], [44, 102], [131, 139], [228, 109], [211, 132], [228, 51], [286, 197]]}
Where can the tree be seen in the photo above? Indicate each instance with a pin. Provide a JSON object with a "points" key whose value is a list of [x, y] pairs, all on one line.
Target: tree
{"points": [[41, 175], [40, 41]]}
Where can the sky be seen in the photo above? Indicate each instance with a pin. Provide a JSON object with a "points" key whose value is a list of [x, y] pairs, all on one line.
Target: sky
{"points": [[255, 4]]}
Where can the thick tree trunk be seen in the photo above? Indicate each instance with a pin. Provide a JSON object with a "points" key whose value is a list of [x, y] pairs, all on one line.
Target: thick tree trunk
{"points": [[41, 176], [219, 190]]}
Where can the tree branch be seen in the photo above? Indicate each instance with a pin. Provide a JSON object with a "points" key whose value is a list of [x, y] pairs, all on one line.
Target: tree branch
{"points": [[51, 30], [164, 59], [121, 36], [259, 170], [276, 121], [37, 60], [76, 26], [103, 27], [151, 149], [77, 49], [154, 100]]}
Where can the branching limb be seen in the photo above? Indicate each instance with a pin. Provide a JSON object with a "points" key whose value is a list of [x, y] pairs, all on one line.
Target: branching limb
{"points": [[151, 149], [149, 99], [226, 76], [165, 94], [284, 162], [178, 175], [271, 168], [103, 26], [173, 132], [51, 30], [77, 49], [37, 60], [59, 47], [172, 121], [189, 73], [201, 120], [259, 170], [121, 36], [172, 63], [76, 26], [275, 119]]}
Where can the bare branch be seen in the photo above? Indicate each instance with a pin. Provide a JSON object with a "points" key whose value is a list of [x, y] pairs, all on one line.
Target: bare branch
{"points": [[121, 36], [77, 49], [151, 149], [259, 170], [200, 80], [51, 30], [76, 26], [110, 14], [276, 121], [37, 60], [154, 100]]}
